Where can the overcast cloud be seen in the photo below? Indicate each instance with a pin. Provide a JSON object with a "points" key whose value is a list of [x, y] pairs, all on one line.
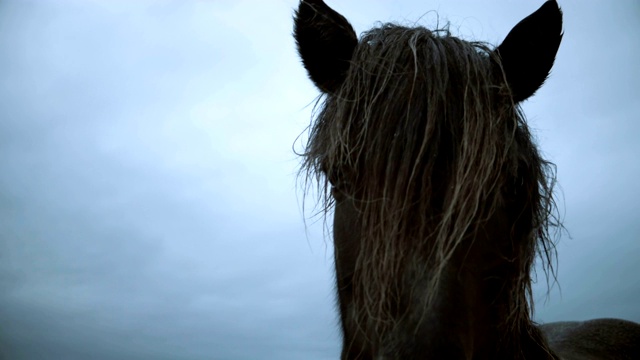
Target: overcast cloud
{"points": [[148, 200]]}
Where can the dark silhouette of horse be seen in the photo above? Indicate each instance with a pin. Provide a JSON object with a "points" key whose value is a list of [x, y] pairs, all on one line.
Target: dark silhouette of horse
{"points": [[441, 198]]}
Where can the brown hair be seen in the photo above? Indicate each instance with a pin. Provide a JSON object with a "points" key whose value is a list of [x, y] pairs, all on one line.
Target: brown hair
{"points": [[424, 136]]}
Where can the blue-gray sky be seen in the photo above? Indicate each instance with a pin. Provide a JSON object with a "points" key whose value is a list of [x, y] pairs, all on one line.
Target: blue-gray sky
{"points": [[148, 202]]}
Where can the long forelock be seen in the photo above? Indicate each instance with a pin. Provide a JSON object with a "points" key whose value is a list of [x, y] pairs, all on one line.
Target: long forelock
{"points": [[423, 135]]}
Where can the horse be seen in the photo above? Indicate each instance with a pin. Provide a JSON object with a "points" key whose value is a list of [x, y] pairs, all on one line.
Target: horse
{"points": [[441, 199]]}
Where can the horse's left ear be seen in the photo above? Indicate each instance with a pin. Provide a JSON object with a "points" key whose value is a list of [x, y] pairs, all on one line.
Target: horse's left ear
{"points": [[528, 52], [326, 42]]}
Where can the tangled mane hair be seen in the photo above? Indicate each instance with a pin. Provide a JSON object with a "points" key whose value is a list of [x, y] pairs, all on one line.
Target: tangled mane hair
{"points": [[424, 136]]}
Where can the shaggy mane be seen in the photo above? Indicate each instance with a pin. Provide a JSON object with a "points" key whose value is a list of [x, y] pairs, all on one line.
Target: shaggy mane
{"points": [[424, 136]]}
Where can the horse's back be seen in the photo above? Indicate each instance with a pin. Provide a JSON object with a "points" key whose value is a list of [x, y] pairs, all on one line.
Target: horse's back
{"points": [[611, 339]]}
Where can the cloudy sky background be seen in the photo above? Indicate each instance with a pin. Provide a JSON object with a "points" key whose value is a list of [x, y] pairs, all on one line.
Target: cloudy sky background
{"points": [[148, 202]]}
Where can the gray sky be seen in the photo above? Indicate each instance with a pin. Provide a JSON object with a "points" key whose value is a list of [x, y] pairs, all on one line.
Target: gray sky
{"points": [[148, 202]]}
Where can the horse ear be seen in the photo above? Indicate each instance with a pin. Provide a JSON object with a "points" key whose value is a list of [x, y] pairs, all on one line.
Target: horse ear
{"points": [[326, 42], [528, 52]]}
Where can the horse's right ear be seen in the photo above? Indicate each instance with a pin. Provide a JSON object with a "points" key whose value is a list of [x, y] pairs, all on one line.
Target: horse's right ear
{"points": [[326, 42], [529, 50]]}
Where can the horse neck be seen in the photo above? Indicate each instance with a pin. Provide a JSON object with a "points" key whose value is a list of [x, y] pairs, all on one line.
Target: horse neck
{"points": [[496, 314], [509, 335], [533, 345]]}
